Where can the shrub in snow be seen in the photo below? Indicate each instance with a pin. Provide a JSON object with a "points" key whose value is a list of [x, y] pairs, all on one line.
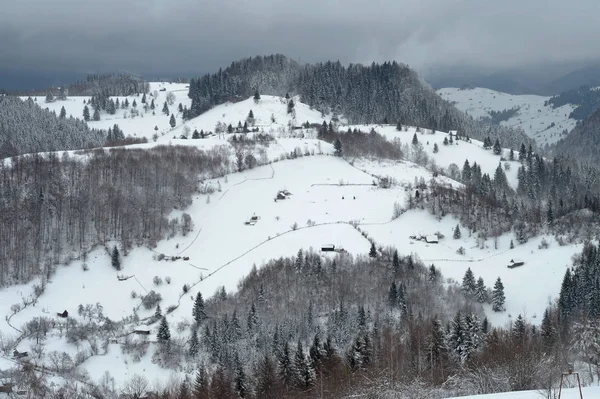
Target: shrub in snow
{"points": [[151, 300], [157, 280], [85, 267], [295, 226], [168, 279], [460, 251], [544, 244], [185, 288], [133, 294]]}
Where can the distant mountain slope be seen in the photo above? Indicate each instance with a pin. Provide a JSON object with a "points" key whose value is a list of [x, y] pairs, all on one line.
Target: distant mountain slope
{"points": [[25, 128], [583, 142], [586, 98], [539, 119], [589, 75], [380, 92]]}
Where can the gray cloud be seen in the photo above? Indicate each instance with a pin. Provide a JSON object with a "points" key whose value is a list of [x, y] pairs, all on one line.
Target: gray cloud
{"points": [[201, 35]]}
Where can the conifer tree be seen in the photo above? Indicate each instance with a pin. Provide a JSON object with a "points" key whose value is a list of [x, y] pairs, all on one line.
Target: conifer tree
{"points": [[164, 334], [466, 172], [522, 153], [481, 291], [304, 374], [86, 113], [152, 106], [290, 106], [519, 328], [180, 107], [126, 104], [200, 389], [497, 147], [373, 251], [432, 273], [396, 261], [194, 343], [144, 98], [337, 145], [134, 104], [256, 96], [198, 311], [393, 295], [115, 258], [445, 140], [547, 330], [63, 113], [240, 381], [172, 121], [286, 371], [415, 140], [511, 155], [195, 135], [158, 312], [498, 297], [435, 148], [457, 234], [165, 109], [266, 379], [469, 286], [96, 116]]}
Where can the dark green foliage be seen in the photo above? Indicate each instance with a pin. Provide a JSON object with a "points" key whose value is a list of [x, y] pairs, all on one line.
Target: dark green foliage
{"points": [[96, 116], [373, 251], [337, 145], [195, 135], [115, 258], [172, 121], [164, 334], [194, 343], [415, 140], [457, 234], [63, 113], [198, 311], [86, 113], [497, 147], [469, 286], [498, 297], [165, 109]]}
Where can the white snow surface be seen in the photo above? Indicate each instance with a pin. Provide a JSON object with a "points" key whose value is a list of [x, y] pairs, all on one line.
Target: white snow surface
{"points": [[534, 117], [570, 393]]}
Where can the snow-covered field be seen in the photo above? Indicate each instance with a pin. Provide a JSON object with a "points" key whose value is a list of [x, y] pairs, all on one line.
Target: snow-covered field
{"points": [[571, 393], [541, 122], [327, 193]]}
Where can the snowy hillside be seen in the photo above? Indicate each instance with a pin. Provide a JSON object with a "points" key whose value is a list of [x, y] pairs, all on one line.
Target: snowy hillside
{"points": [[329, 197], [539, 121], [570, 393]]}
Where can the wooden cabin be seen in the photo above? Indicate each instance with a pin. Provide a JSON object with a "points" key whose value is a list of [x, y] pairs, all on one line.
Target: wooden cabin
{"points": [[515, 263], [431, 239], [328, 248]]}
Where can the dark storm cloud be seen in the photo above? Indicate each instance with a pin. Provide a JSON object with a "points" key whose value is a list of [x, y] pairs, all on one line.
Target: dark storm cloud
{"points": [[200, 35]]}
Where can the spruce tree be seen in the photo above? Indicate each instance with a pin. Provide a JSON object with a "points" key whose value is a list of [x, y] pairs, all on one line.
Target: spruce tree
{"points": [[373, 251], [158, 312], [126, 104], [115, 258], [200, 389], [415, 140], [522, 153], [393, 295], [240, 380], [194, 343], [290, 106], [286, 370], [547, 330], [435, 148], [550, 213], [152, 106], [164, 334], [198, 311], [445, 140], [63, 113], [396, 261], [144, 99], [511, 155], [519, 328], [266, 379], [96, 116], [172, 121], [134, 104], [466, 172], [86, 113], [432, 273], [337, 145], [497, 148], [256, 96], [481, 291], [180, 107], [195, 135], [165, 109], [457, 234], [498, 297], [469, 286]]}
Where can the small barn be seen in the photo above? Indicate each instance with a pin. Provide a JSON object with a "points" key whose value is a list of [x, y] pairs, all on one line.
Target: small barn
{"points": [[515, 263], [328, 248], [431, 239]]}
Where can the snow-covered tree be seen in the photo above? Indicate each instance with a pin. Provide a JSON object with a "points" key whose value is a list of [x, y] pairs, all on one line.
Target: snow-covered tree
{"points": [[164, 333], [498, 297]]}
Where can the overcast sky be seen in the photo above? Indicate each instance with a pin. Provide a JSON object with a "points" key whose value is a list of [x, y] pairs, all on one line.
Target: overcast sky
{"points": [[171, 36]]}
